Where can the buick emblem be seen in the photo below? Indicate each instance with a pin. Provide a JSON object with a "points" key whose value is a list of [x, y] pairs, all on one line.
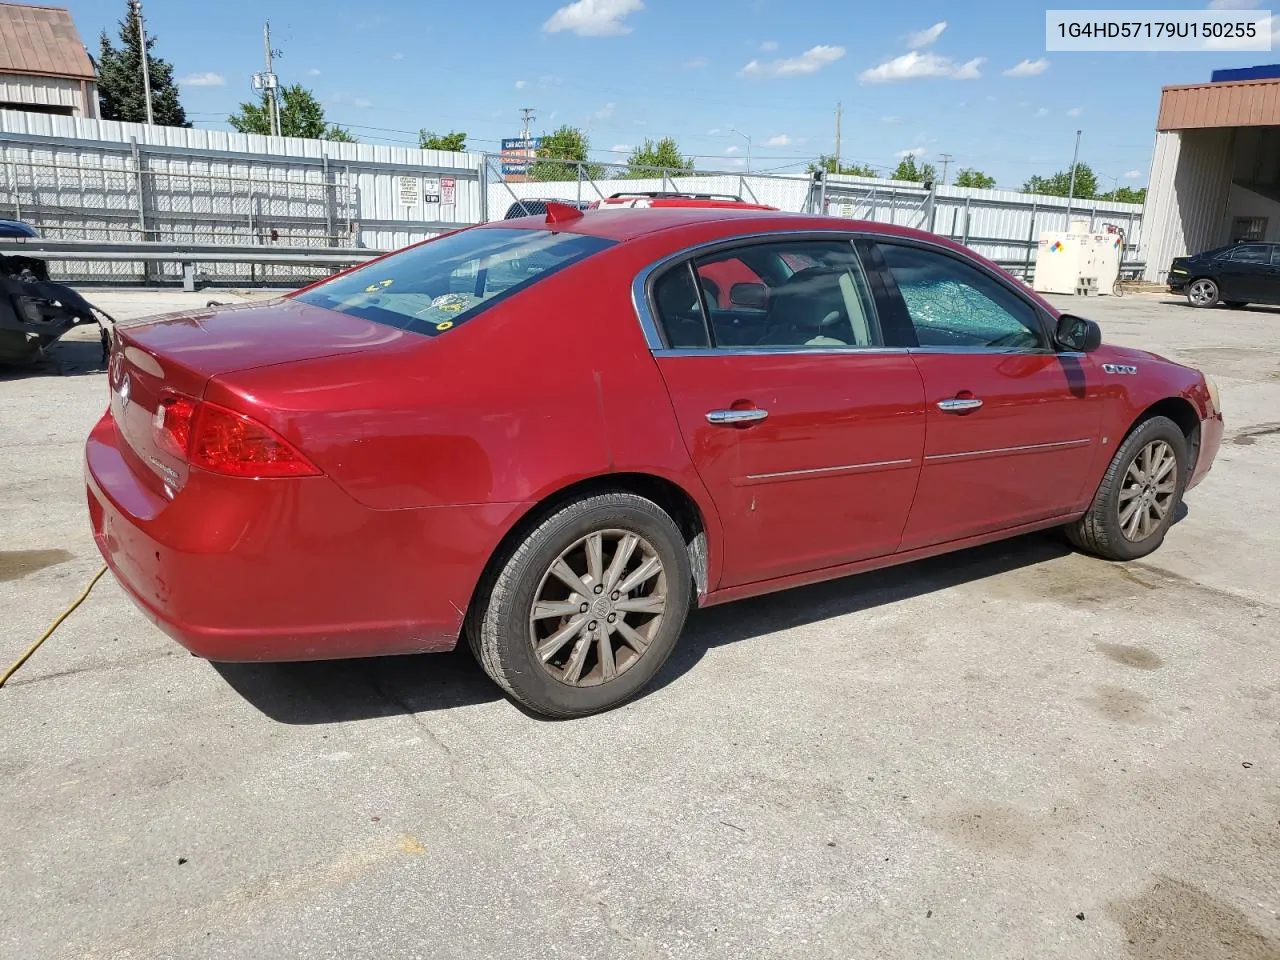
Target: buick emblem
{"points": [[125, 387]]}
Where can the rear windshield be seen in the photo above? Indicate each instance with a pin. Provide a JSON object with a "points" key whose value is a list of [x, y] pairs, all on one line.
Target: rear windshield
{"points": [[439, 285]]}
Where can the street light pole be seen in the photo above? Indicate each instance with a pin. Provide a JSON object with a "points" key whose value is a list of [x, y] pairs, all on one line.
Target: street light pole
{"points": [[746, 138], [1071, 190]]}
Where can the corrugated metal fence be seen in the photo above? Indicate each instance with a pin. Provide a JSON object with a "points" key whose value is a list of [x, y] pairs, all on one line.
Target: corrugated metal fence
{"points": [[102, 180]]}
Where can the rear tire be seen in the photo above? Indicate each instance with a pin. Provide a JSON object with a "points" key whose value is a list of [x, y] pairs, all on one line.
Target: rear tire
{"points": [[1139, 495], [1202, 293], [585, 610]]}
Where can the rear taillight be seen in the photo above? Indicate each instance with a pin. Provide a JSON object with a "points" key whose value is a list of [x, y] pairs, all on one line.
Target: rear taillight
{"points": [[219, 440]]}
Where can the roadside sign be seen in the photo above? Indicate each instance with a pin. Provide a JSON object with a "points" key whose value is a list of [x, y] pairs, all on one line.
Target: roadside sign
{"points": [[409, 190], [448, 189], [431, 190]]}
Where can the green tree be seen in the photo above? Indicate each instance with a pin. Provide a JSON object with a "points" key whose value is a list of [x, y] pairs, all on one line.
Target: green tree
{"points": [[455, 141], [827, 163], [969, 177], [908, 169], [560, 155], [120, 92], [1059, 185], [665, 154], [1126, 195], [300, 116]]}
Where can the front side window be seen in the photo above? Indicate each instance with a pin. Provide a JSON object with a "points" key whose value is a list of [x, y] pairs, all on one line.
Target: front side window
{"points": [[954, 304], [1252, 253], [803, 293], [434, 287]]}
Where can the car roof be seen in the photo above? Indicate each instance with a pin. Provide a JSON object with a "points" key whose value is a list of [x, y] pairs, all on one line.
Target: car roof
{"points": [[633, 223]]}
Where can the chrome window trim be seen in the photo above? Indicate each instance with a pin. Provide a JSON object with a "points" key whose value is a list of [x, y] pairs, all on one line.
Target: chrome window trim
{"points": [[653, 335], [753, 478]]}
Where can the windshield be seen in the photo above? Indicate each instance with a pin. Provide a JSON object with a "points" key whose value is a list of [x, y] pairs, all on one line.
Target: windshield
{"points": [[439, 285]]}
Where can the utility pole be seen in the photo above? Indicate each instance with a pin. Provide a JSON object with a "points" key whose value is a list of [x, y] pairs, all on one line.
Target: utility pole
{"points": [[135, 8], [839, 110], [271, 82], [1071, 190], [946, 162], [527, 116]]}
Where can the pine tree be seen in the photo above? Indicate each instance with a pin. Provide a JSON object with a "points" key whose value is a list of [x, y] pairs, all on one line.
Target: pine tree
{"points": [[120, 95]]}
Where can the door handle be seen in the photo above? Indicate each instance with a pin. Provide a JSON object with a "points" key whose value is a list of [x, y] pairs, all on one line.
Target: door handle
{"points": [[721, 418], [959, 404]]}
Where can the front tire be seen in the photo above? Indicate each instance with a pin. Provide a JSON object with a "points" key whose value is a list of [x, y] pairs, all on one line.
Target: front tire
{"points": [[586, 609], [1202, 293], [1139, 495]]}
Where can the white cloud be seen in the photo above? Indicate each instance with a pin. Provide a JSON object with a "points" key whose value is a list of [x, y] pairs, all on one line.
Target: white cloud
{"points": [[594, 18], [811, 61], [621, 148], [1233, 4], [714, 131], [734, 162], [914, 65], [781, 140], [913, 152], [726, 149], [769, 46], [1133, 175], [520, 84], [313, 72], [697, 63], [923, 38], [1028, 68], [605, 112], [347, 100], [890, 119], [1075, 111], [395, 56], [203, 80], [1042, 112], [362, 103]]}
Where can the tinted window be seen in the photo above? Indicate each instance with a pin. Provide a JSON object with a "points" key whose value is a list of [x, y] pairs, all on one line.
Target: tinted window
{"points": [[679, 312], [1252, 253], [771, 303], [439, 285], [954, 304]]}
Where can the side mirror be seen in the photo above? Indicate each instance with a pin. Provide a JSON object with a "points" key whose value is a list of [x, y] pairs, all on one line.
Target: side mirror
{"points": [[1078, 334], [754, 296]]}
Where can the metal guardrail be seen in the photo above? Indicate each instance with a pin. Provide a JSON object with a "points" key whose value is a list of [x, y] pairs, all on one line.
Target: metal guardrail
{"points": [[188, 255]]}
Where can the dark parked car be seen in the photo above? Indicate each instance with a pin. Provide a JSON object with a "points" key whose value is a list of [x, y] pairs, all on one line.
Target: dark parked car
{"points": [[1237, 275]]}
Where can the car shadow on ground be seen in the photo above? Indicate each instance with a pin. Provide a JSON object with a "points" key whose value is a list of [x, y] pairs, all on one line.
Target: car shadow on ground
{"points": [[65, 358], [1177, 301], [340, 690]]}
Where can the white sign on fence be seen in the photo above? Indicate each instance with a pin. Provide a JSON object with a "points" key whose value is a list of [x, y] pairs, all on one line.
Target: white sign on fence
{"points": [[431, 190], [409, 190], [448, 189]]}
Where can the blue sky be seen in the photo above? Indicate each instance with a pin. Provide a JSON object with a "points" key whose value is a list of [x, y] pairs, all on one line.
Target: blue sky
{"points": [[930, 77]]}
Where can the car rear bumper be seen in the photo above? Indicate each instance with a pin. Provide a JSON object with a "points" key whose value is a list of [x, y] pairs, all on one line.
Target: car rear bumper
{"points": [[1178, 284], [254, 570]]}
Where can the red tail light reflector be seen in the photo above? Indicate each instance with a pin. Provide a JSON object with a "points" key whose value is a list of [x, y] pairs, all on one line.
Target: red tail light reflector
{"points": [[223, 441]]}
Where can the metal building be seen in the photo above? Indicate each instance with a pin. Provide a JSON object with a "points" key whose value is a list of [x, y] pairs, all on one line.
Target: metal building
{"points": [[1215, 174], [43, 64]]}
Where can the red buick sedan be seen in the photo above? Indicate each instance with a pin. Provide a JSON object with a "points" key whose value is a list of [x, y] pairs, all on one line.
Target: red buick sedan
{"points": [[556, 435]]}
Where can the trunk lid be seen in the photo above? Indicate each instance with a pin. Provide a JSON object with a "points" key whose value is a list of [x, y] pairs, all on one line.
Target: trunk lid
{"points": [[183, 351]]}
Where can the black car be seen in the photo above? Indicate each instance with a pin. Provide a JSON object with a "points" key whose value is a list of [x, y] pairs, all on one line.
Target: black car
{"points": [[1237, 275]]}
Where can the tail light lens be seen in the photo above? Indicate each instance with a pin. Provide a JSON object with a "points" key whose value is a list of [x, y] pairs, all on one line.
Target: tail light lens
{"points": [[219, 440]]}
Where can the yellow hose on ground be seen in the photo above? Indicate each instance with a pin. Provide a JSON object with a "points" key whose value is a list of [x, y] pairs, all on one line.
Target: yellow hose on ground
{"points": [[26, 655]]}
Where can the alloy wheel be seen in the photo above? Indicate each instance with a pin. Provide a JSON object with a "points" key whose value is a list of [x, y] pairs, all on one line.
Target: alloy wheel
{"points": [[1203, 293], [598, 607], [1149, 490]]}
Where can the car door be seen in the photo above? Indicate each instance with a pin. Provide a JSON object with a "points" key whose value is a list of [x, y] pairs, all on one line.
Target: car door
{"points": [[1012, 424], [809, 440], [1246, 276]]}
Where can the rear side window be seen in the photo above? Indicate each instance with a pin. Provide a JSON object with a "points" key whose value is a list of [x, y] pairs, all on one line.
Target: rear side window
{"points": [[1252, 253], [434, 287]]}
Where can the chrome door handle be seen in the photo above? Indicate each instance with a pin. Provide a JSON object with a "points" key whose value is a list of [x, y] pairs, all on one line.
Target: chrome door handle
{"points": [[722, 418], [958, 405]]}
